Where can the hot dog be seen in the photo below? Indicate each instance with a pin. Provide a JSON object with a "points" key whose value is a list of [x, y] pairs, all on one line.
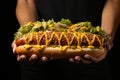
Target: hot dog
{"points": [[60, 39]]}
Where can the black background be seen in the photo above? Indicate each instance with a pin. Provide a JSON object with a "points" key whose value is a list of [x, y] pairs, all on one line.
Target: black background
{"points": [[9, 67]]}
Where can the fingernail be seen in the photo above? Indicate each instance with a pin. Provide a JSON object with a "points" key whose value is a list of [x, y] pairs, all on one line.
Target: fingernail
{"points": [[44, 59], [77, 58], [13, 50], [33, 57], [23, 57], [87, 56]]}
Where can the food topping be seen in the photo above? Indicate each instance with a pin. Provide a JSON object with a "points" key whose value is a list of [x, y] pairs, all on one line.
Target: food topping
{"points": [[63, 34]]}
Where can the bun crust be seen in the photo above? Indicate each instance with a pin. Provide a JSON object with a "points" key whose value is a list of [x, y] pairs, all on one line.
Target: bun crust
{"points": [[56, 52]]}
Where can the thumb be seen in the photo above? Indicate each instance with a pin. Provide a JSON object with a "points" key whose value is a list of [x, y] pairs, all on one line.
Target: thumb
{"points": [[94, 59], [14, 47]]}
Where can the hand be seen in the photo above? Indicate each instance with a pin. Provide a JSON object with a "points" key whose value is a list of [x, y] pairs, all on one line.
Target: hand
{"points": [[33, 57], [87, 59]]}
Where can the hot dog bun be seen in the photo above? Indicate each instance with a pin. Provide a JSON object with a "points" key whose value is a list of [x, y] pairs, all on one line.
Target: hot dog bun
{"points": [[56, 52]]}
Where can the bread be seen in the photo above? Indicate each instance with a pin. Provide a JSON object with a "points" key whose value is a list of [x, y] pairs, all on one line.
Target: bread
{"points": [[56, 52]]}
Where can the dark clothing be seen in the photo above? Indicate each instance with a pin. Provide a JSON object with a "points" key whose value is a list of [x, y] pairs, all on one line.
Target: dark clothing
{"points": [[62, 69], [76, 11]]}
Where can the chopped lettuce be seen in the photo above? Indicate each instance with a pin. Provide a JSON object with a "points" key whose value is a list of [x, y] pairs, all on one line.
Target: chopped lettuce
{"points": [[25, 29], [66, 22], [63, 25]]}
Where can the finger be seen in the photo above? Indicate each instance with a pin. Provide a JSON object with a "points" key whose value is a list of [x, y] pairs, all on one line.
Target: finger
{"points": [[85, 61], [71, 59], [109, 46], [44, 59], [77, 58], [91, 58], [33, 57], [21, 57], [14, 47]]}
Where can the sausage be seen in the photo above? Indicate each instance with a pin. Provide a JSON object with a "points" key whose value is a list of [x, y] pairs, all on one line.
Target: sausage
{"points": [[59, 38]]}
